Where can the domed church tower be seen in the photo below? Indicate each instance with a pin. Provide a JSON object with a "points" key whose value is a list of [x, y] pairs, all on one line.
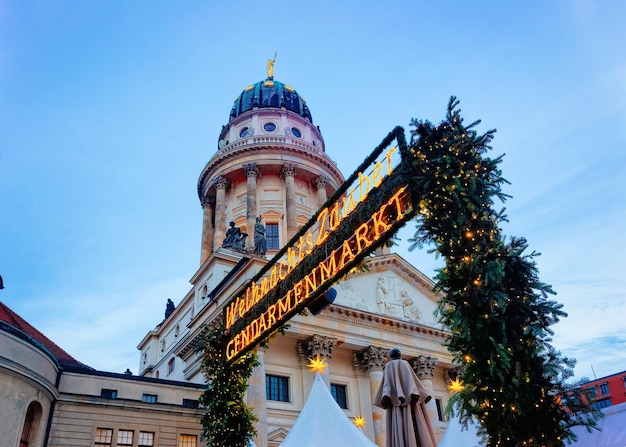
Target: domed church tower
{"points": [[270, 163], [270, 174]]}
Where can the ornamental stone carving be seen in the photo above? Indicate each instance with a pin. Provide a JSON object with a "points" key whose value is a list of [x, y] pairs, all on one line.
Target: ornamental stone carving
{"points": [[317, 345], [371, 358], [221, 182], [251, 170], [207, 201], [321, 182], [289, 170], [453, 373], [424, 366]]}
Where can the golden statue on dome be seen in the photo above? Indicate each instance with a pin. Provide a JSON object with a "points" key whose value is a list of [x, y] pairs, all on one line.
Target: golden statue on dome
{"points": [[270, 67]]}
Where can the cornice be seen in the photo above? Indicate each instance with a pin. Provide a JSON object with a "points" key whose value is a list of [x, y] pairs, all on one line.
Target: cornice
{"points": [[264, 143], [390, 324]]}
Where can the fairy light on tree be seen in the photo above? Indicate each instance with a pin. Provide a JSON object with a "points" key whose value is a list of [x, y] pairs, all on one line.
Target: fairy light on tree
{"points": [[494, 304], [228, 421]]}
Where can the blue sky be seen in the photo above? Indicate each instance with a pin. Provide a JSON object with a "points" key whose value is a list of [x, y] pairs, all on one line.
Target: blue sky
{"points": [[110, 109]]}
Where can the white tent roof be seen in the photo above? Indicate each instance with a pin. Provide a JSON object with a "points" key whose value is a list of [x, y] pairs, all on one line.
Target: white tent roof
{"points": [[322, 423], [456, 436], [612, 432]]}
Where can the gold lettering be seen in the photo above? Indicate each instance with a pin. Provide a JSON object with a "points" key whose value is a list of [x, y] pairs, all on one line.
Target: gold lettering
{"points": [[388, 156], [283, 268], [274, 277], [396, 199], [230, 351], [262, 323], [328, 267], [334, 219], [310, 282], [245, 337], [309, 243], [254, 328], [346, 253], [241, 307], [362, 177], [283, 304], [230, 315], [361, 237], [323, 234], [376, 181], [300, 243], [291, 260], [380, 227], [264, 288], [349, 204], [297, 292], [271, 313], [255, 293]]}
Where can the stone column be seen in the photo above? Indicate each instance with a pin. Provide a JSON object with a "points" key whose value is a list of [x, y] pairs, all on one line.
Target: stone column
{"points": [[220, 211], [251, 174], [289, 174], [320, 184], [207, 230], [424, 368], [318, 345], [257, 398], [372, 360]]}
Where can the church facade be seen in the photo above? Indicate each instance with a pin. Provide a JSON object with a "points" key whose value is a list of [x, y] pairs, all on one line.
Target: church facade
{"points": [[270, 174]]}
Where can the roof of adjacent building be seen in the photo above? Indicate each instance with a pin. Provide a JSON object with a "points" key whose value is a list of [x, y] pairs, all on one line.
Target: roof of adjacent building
{"points": [[21, 328]]}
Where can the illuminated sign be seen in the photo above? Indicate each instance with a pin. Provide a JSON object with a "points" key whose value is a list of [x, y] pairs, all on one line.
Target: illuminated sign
{"points": [[364, 213]]}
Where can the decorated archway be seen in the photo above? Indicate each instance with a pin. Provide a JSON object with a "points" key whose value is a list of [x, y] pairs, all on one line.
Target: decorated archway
{"points": [[494, 305]]}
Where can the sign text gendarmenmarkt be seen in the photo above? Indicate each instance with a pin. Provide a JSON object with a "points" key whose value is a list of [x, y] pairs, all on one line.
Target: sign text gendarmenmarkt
{"points": [[364, 213]]}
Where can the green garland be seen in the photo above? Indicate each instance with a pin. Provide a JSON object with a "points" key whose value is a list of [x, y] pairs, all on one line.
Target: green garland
{"points": [[228, 421], [494, 304]]}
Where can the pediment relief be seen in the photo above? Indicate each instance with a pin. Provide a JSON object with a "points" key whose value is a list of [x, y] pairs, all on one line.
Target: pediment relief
{"points": [[392, 291]]}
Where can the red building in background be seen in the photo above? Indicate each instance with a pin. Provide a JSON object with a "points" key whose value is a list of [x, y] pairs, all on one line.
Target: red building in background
{"points": [[607, 391]]}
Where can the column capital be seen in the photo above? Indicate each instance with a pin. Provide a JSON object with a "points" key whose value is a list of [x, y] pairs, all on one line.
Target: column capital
{"points": [[320, 182], [207, 201], [452, 373], [424, 366], [371, 358], [317, 345], [251, 170], [289, 170], [221, 182]]}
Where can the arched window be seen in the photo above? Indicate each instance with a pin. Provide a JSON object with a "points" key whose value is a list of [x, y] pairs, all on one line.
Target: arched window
{"points": [[31, 422]]}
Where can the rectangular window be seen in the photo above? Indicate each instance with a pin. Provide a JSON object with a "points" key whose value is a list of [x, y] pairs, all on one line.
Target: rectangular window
{"points": [[339, 394], [125, 437], [190, 403], [108, 394], [604, 388], [277, 388], [592, 391], [602, 403], [188, 441], [271, 236], [146, 439], [149, 398], [104, 436], [439, 405]]}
